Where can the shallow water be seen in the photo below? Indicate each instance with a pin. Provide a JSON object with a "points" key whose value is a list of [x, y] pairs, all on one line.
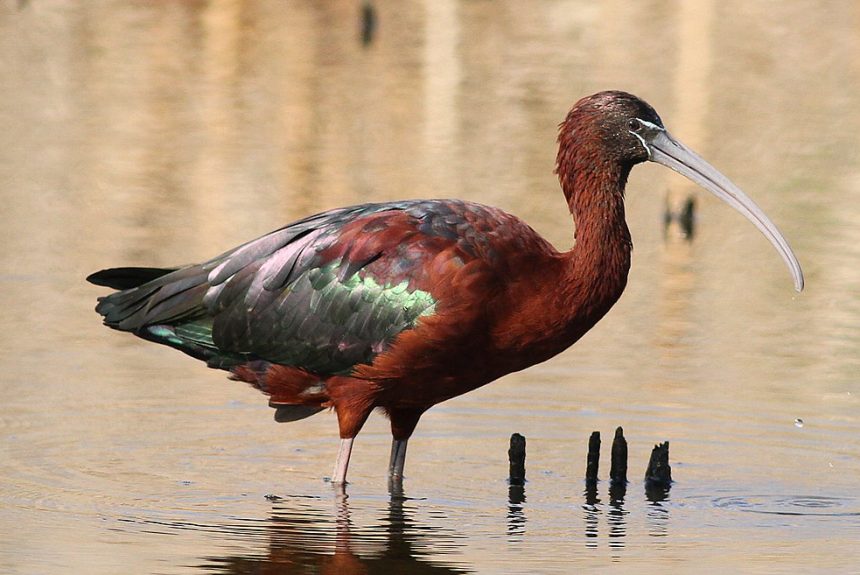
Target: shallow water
{"points": [[161, 133]]}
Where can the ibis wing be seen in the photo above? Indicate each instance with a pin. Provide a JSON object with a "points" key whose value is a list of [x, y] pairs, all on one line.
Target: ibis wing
{"points": [[301, 295]]}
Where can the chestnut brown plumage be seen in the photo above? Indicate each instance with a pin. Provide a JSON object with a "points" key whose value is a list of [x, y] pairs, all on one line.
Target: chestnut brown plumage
{"points": [[403, 305]]}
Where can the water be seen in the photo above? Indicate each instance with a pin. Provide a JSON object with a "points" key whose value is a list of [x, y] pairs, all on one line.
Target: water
{"points": [[162, 133]]}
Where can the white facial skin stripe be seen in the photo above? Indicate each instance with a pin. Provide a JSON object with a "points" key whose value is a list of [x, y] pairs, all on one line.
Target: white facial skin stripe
{"points": [[648, 126]]}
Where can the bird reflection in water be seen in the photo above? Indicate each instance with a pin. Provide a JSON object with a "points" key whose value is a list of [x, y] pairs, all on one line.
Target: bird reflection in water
{"points": [[303, 540]]}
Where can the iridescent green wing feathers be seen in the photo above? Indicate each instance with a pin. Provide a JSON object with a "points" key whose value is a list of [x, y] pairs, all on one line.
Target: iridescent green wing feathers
{"points": [[326, 324], [302, 296]]}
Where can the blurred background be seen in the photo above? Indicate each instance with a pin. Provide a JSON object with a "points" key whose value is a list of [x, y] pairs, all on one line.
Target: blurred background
{"points": [[165, 132]]}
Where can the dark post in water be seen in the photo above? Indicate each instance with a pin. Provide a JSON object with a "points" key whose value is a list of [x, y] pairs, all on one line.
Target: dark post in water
{"points": [[659, 473], [593, 460], [517, 459], [618, 471]]}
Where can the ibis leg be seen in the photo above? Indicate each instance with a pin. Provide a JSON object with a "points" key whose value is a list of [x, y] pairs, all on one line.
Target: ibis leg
{"points": [[398, 458], [342, 462], [403, 422]]}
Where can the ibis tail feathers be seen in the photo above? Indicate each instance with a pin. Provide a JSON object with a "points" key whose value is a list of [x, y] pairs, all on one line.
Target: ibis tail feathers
{"points": [[127, 278]]}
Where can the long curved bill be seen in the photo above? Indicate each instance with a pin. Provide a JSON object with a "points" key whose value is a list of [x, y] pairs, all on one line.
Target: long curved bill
{"points": [[668, 151]]}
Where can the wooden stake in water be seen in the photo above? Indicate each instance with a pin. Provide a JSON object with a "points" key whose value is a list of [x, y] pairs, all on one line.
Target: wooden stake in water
{"points": [[592, 462], [618, 471], [659, 473], [517, 459]]}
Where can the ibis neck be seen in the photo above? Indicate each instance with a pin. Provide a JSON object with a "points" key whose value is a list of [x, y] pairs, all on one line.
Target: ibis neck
{"points": [[560, 297], [596, 202], [598, 263]]}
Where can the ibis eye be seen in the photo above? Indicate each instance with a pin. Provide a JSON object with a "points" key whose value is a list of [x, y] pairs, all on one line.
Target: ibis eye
{"points": [[634, 125]]}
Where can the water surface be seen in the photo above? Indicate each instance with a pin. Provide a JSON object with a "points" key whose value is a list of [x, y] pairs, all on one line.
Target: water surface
{"points": [[138, 133]]}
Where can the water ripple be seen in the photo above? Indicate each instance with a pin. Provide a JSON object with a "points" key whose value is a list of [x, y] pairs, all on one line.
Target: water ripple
{"points": [[799, 505]]}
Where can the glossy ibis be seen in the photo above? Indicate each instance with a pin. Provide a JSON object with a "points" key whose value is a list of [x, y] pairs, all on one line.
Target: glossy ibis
{"points": [[403, 305]]}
